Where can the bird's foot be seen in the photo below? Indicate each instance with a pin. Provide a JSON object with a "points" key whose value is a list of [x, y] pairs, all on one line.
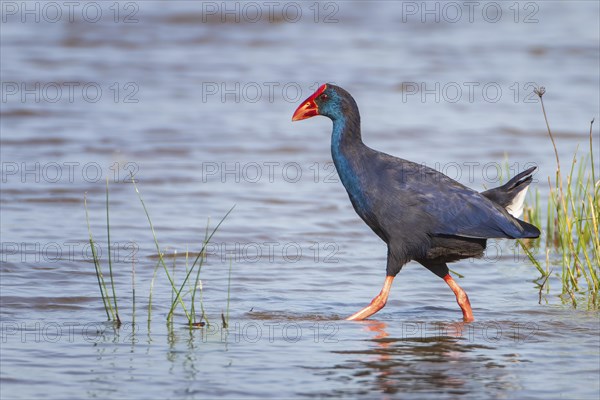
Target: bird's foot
{"points": [[376, 304]]}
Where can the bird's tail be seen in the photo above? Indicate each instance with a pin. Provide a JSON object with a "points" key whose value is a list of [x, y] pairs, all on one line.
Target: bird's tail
{"points": [[511, 195], [529, 231]]}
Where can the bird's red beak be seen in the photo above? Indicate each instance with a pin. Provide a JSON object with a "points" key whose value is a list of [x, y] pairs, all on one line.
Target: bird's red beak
{"points": [[308, 108]]}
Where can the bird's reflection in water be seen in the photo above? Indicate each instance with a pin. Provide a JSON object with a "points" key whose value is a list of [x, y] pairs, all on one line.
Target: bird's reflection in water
{"points": [[441, 359]]}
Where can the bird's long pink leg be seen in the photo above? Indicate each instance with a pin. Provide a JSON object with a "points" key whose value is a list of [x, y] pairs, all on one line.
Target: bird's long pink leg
{"points": [[376, 304], [461, 298]]}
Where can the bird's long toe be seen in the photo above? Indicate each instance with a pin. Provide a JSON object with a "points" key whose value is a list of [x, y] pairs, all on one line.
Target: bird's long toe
{"points": [[376, 304]]}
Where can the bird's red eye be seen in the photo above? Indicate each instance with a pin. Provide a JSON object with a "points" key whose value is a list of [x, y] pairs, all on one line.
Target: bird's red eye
{"points": [[324, 96]]}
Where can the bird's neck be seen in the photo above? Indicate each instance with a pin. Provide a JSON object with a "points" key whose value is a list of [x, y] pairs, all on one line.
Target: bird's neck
{"points": [[347, 150], [346, 132]]}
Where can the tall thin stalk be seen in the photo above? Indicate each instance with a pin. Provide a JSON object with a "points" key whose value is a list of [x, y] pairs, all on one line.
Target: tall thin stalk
{"points": [[226, 324], [198, 284], [101, 284], [173, 274], [133, 289], [112, 280], [592, 153], [154, 273]]}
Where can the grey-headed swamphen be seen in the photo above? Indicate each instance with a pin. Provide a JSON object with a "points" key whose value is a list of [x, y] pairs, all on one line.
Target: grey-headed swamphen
{"points": [[421, 214]]}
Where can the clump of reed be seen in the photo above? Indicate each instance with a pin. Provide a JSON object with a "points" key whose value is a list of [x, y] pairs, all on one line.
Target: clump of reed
{"points": [[185, 294], [570, 230]]}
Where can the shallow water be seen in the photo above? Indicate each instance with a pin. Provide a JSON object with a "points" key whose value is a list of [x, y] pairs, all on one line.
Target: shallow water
{"points": [[186, 106]]}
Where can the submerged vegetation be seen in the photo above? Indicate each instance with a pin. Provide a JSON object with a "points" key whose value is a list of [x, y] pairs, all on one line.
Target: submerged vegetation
{"points": [[186, 299], [570, 230]]}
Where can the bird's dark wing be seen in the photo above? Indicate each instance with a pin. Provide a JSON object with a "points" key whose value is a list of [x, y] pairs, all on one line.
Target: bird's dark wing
{"points": [[452, 208], [464, 212]]}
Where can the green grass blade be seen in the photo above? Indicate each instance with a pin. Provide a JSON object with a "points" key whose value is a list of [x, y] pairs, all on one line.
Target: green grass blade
{"points": [[101, 284], [133, 289], [228, 294], [592, 152], [197, 282], [152, 292], [532, 258], [112, 280]]}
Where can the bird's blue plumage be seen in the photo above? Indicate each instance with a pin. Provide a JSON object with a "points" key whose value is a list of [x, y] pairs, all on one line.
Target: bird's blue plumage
{"points": [[348, 175]]}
